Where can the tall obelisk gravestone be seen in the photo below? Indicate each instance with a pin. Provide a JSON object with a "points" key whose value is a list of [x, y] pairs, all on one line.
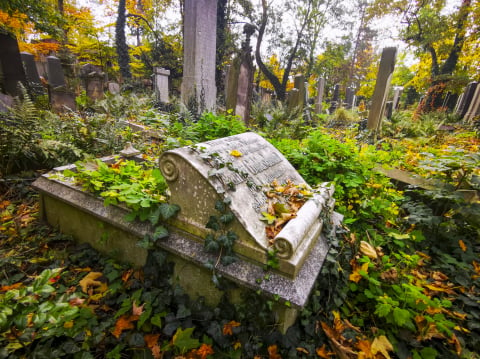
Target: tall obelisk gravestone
{"points": [[199, 51], [382, 86]]}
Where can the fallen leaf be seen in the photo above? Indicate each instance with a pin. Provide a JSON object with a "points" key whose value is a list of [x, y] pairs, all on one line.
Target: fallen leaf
{"points": [[368, 250], [355, 276], [272, 352], [227, 328], [236, 153], [137, 310], [302, 350], [322, 352], [90, 280], [151, 340], [462, 245], [204, 351], [125, 322], [6, 288], [382, 345]]}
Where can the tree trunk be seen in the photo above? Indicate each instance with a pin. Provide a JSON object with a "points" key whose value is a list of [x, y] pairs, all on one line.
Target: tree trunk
{"points": [[441, 75], [121, 42]]}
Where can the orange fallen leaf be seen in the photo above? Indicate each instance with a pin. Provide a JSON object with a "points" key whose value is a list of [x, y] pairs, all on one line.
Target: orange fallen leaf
{"points": [[302, 350], [462, 245], [6, 288], [90, 281], [272, 352], [125, 322], [151, 341], [227, 328], [204, 351], [322, 352]]}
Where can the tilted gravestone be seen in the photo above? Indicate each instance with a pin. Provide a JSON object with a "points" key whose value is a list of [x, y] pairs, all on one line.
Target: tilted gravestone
{"points": [[200, 24], [11, 68], [56, 75], [382, 86], [474, 108], [466, 99]]}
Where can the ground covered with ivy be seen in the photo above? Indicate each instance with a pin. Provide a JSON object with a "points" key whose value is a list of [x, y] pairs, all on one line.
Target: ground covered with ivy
{"points": [[401, 279]]}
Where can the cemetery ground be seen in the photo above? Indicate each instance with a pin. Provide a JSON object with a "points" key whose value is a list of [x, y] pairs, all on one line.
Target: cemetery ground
{"points": [[401, 279]]}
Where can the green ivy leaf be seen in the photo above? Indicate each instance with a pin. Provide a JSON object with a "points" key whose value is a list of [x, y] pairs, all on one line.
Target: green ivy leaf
{"points": [[182, 339], [160, 232], [168, 211]]}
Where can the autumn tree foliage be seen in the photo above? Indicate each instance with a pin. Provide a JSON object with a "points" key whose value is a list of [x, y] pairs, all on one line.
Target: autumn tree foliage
{"points": [[430, 29]]}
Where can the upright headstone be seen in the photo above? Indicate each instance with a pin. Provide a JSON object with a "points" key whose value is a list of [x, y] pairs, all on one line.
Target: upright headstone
{"points": [[30, 69], [466, 99], [199, 49], [160, 83], [60, 98], [335, 99], [397, 92], [296, 96], [93, 80], [474, 108], [11, 67], [389, 109], [349, 97], [319, 98], [240, 79], [382, 86], [457, 105], [56, 76]]}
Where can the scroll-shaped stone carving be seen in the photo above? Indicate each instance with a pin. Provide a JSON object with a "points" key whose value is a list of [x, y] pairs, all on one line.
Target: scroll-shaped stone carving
{"points": [[239, 167]]}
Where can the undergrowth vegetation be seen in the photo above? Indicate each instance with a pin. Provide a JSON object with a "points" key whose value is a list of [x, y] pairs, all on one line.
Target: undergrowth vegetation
{"points": [[401, 279]]}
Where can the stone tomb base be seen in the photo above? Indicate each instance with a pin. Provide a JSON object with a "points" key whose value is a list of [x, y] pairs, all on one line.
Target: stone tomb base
{"points": [[71, 210]]}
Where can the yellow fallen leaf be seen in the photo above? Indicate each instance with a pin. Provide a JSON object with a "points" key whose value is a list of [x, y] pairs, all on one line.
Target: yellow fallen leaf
{"points": [[236, 153], [356, 276], [462, 245], [90, 280], [68, 325], [368, 250], [382, 345]]}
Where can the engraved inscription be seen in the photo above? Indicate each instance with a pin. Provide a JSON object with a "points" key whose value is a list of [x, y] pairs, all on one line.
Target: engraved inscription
{"points": [[258, 166]]}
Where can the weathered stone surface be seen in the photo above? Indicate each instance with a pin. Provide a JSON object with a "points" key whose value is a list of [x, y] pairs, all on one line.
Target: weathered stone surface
{"points": [[382, 86], [11, 68], [56, 76], [319, 98], [474, 108], [161, 84], [200, 24], [196, 182], [466, 99], [84, 216]]}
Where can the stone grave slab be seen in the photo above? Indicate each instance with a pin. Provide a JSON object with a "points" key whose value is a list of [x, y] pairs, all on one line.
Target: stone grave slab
{"points": [[200, 176]]}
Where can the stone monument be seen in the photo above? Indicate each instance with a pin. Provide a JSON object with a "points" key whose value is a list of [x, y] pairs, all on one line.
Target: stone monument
{"points": [[93, 81], [11, 68], [160, 84], [60, 98], [240, 79], [474, 108], [199, 177], [31, 72], [319, 98], [466, 99], [335, 99], [199, 49], [382, 87], [237, 171]]}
